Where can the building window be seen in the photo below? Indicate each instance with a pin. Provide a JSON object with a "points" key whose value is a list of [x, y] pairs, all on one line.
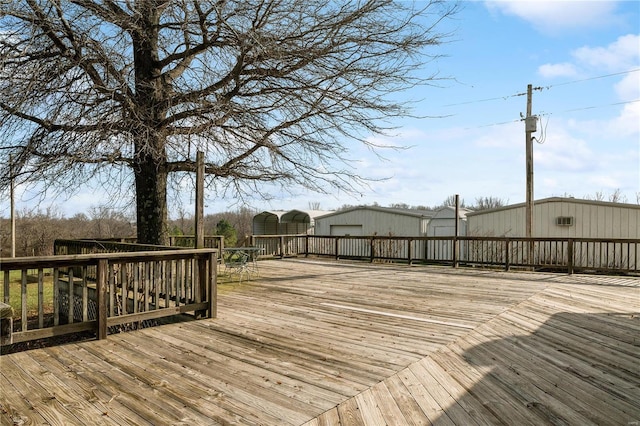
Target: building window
{"points": [[564, 220]]}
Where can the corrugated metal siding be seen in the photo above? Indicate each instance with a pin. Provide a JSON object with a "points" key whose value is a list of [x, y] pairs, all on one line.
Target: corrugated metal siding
{"points": [[502, 223], [589, 221], [374, 222]]}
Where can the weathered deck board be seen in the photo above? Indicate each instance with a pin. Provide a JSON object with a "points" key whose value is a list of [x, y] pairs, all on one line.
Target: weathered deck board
{"points": [[322, 343]]}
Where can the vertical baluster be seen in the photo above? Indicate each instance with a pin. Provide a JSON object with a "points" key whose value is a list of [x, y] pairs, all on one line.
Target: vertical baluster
{"points": [[40, 298], [23, 295]]}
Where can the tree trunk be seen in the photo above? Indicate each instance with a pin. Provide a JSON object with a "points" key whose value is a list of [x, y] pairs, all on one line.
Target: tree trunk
{"points": [[151, 201], [150, 166]]}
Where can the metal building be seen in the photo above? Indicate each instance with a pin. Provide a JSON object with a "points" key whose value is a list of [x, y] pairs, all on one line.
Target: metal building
{"points": [[374, 220], [558, 217], [290, 222], [386, 221]]}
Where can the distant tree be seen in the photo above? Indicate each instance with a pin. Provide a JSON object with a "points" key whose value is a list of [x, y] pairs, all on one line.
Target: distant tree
{"points": [[400, 206], [486, 203], [225, 229], [271, 91], [109, 223], [451, 201], [615, 197], [314, 205]]}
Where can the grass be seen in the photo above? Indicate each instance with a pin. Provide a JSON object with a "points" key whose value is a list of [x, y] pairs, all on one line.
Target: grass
{"points": [[15, 290], [15, 293]]}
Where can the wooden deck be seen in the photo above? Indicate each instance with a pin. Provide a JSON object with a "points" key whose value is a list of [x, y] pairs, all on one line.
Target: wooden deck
{"points": [[320, 343]]}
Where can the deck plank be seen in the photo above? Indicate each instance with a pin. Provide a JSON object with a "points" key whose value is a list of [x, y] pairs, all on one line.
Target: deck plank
{"points": [[338, 343]]}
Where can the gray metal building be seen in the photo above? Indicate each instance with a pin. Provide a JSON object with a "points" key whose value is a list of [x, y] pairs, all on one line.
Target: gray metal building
{"points": [[386, 221], [560, 218]]}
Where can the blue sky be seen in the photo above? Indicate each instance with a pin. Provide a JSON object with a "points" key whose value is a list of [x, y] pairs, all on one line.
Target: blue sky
{"points": [[584, 56], [578, 53]]}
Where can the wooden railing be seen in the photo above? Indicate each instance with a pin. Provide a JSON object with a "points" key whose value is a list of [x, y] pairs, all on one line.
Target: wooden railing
{"points": [[562, 254], [63, 294], [117, 245]]}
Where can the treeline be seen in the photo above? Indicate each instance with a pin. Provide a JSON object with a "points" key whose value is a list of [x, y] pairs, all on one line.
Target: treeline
{"points": [[481, 203], [37, 229]]}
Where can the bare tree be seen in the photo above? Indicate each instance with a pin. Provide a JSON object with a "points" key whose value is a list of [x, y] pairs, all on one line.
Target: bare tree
{"points": [[615, 197], [314, 205], [451, 201], [270, 90], [485, 203]]}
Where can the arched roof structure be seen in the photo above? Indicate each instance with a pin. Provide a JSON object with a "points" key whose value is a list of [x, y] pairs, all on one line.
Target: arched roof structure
{"points": [[285, 222]]}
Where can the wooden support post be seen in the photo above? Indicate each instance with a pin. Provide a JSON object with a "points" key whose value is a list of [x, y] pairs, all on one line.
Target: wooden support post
{"points": [[372, 249], [212, 280], [507, 263], [570, 256], [203, 283], [456, 232], [199, 217], [409, 260], [101, 296], [281, 246]]}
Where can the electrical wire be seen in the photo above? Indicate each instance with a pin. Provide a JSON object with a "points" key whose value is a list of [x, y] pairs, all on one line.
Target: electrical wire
{"points": [[540, 88], [547, 114], [592, 78]]}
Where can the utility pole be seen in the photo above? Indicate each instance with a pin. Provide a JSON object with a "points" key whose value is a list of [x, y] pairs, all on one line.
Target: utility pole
{"points": [[530, 127], [529, 161]]}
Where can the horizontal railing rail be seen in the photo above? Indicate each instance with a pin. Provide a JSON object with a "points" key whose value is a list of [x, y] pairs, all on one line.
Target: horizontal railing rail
{"points": [[63, 294], [119, 244], [562, 254]]}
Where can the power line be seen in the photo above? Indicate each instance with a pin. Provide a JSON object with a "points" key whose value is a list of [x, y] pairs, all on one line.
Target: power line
{"points": [[592, 78], [539, 88], [550, 113], [592, 107]]}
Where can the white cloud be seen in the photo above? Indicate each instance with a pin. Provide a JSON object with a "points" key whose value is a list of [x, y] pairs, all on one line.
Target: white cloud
{"points": [[629, 87], [504, 136], [621, 55], [627, 124], [555, 16], [562, 151], [564, 69]]}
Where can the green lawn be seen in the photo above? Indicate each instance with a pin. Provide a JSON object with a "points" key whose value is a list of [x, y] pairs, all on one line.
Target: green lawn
{"points": [[15, 293]]}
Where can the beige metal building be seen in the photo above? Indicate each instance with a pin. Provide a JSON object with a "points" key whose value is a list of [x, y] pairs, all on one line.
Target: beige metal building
{"points": [[559, 218]]}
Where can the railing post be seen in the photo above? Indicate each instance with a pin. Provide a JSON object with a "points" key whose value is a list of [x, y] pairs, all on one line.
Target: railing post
{"points": [[372, 249], [306, 246], [570, 262], [507, 255], [281, 246], [203, 284], [212, 284], [455, 252], [101, 296], [336, 247], [409, 241]]}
